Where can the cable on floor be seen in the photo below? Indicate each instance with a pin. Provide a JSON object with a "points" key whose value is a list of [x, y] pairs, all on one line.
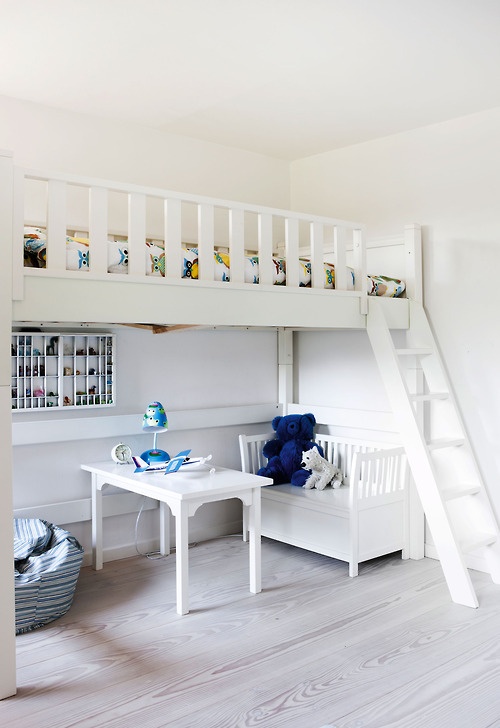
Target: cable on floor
{"points": [[156, 555]]}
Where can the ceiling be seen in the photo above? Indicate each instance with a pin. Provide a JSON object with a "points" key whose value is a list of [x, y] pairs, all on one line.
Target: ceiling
{"points": [[286, 78]]}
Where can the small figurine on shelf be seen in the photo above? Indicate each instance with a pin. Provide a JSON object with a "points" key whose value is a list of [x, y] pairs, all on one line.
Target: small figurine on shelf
{"points": [[39, 393], [67, 402], [92, 351], [91, 371], [36, 352], [92, 389]]}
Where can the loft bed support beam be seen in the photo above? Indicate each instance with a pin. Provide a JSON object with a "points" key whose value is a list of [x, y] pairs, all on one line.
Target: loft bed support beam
{"points": [[413, 263], [285, 368], [7, 603]]}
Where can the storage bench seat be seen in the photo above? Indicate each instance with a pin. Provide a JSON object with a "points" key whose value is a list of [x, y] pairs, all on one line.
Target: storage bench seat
{"points": [[366, 517]]}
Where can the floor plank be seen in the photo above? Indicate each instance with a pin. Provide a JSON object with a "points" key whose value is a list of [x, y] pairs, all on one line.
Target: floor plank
{"points": [[315, 649]]}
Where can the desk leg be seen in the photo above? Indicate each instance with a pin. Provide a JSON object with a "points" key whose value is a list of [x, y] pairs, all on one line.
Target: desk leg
{"points": [[181, 557], [96, 522], [254, 542], [164, 529]]}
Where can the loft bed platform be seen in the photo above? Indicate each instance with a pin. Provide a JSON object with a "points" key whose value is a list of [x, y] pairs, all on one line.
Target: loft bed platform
{"points": [[97, 251], [66, 298]]}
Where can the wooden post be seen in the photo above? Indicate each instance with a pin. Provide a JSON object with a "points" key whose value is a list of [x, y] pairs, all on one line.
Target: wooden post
{"points": [[285, 368], [7, 606]]}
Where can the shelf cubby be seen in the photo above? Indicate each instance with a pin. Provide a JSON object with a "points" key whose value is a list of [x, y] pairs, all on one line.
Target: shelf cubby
{"points": [[61, 370]]}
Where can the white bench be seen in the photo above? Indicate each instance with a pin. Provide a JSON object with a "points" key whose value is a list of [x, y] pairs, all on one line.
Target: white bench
{"points": [[365, 518]]}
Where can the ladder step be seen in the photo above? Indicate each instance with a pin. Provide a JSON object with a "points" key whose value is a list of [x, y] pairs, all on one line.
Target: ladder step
{"points": [[479, 541], [460, 492], [445, 442], [429, 397], [414, 352]]}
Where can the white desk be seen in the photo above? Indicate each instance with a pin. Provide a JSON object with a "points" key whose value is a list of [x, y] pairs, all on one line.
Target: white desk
{"points": [[183, 492]]}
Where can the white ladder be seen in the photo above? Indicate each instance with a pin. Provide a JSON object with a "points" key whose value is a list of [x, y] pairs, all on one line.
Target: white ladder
{"points": [[448, 481]]}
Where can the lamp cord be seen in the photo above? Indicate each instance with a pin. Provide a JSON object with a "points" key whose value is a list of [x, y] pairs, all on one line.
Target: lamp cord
{"points": [[154, 555], [157, 555]]}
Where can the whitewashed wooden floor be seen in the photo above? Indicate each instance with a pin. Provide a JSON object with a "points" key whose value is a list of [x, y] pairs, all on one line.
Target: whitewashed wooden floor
{"points": [[315, 649]]}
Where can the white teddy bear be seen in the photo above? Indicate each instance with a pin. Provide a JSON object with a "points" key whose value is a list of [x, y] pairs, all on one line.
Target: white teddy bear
{"points": [[322, 472]]}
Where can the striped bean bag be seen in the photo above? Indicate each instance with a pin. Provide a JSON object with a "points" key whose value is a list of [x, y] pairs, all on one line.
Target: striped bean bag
{"points": [[47, 561]]}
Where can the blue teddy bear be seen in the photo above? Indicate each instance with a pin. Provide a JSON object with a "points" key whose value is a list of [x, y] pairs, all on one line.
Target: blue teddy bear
{"points": [[294, 434]]}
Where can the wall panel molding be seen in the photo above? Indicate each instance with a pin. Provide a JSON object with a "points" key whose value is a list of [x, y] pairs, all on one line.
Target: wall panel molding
{"points": [[90, 428]]}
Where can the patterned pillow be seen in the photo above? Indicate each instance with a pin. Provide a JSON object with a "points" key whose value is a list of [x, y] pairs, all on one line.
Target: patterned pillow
{"points": [[279, 272], [251, 269], [190, 263], [77, 253], [384, 286], [155, 259], [221, 267], [35, 247]]}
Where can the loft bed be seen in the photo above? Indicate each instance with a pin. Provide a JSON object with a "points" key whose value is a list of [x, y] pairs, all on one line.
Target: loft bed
{"points": [[87, 250], [95, 222]]}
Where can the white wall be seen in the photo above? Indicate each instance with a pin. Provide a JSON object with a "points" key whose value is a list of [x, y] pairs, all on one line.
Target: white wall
{"points": [[447, 178], [53, 140]]}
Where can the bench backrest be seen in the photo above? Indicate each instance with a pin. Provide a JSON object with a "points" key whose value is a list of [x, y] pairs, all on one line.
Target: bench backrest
{"points": [[339, 451]]}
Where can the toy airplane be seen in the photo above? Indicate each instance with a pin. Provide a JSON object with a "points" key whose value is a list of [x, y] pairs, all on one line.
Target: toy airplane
{"points": [[170, 466]]}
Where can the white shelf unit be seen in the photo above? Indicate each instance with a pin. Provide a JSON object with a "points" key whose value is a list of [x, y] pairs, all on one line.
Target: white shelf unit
{"points": [[62, 370]]}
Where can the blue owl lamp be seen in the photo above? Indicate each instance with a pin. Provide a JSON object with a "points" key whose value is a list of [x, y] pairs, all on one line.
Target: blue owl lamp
{"points": [[155, 420]]}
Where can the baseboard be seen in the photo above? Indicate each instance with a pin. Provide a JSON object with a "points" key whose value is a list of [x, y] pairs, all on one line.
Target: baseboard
{"points": [[207, 533], [69, 512], [472, 562]]}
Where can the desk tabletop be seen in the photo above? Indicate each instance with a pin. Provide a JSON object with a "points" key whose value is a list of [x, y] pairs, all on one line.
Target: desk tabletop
{"points": [[185, 484]]}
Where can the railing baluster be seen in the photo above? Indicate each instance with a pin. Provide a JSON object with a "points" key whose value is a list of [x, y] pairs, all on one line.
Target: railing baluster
{"points": [[359, 261], [137, 234], [237, 245], [317, 247], [173, 239], [265, 226], [56, 225], [340, 238], [292, 252], [98, 229], [206, 237]]}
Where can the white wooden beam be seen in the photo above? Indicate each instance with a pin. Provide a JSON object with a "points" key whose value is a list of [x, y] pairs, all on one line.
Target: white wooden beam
{"points": [[7, 605], [136, 234], [98, 229]]}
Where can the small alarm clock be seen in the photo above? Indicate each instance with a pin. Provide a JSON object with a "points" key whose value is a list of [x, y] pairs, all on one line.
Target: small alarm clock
{"points": [[121, 453]]}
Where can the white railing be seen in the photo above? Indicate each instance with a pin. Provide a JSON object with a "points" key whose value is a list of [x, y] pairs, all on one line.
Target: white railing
{"points": [[67, 205]]}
